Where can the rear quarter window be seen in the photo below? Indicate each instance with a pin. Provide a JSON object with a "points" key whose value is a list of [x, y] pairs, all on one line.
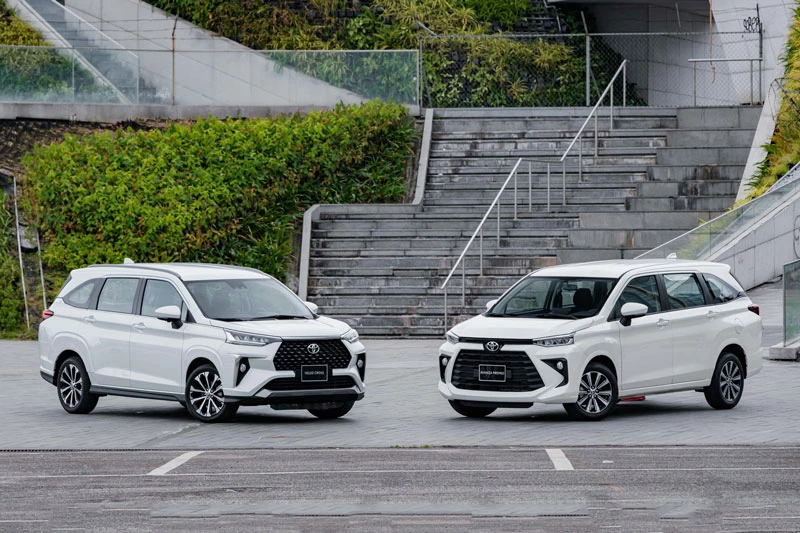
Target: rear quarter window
{"points": [[721, 291], [81, 295]]}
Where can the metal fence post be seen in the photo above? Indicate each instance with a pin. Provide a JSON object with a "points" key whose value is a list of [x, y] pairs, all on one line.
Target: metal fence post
{"points": [[464, 282], [595, 135], [625, 84], [580, 158], [548, 187], [588, 70], [564, 183], [445, 308], [530, 188], [480, 243], [498, 222], [611, 110], [694, 82], [515, 195]]}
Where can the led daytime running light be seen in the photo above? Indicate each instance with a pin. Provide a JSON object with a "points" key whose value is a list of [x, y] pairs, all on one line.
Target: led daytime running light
{"points": [[554, 341]]}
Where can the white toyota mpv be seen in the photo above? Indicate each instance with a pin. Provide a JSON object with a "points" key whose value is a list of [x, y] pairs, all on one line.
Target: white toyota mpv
{"points": [[212, 337], [588, 335]]}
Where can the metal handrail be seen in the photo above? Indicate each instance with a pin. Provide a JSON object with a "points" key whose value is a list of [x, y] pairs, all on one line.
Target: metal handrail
{"points": [[579, 136]]}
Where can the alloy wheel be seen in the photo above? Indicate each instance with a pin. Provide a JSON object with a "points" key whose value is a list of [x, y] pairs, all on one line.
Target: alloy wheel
{"points": [[205, 394], [730, 381], [595, 393], [70, 385]]}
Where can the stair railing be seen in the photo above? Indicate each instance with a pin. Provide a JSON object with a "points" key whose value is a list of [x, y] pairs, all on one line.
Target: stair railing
{"points": [[593, 113]]}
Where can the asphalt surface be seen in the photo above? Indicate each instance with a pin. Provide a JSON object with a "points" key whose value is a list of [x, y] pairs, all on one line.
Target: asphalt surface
{"points": [[402, 460]]}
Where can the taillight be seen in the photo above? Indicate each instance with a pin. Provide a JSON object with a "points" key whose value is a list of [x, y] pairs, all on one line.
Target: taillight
{"points": [[46, 314], [754, 308]]}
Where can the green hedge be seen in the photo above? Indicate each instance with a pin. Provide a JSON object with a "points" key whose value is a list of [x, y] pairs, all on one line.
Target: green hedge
{"points": [[214, 191]]}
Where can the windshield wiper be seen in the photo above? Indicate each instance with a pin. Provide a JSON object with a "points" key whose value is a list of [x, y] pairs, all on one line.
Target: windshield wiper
{"points": [[557, 315], [279, 317]]}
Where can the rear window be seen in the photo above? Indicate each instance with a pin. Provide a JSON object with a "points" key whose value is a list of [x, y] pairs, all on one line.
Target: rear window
{"points": [[81, 295]]}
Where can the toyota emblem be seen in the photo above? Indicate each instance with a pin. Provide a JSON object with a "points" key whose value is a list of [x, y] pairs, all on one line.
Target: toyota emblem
{"points": [[313, 349], [492, 346]]}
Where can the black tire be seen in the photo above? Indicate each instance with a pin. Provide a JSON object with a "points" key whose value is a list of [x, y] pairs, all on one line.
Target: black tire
{"points": [[471, 411], [598, 394], [204, 398], [727, 383], [329, 413], [73, 385]]}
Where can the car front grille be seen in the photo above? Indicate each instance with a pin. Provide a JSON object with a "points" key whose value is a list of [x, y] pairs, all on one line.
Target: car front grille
{"points": [[291, 355], [288, 384], [521, 375]]}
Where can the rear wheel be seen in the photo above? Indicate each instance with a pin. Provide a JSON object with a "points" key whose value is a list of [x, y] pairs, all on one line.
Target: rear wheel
{"points": [[332, 412], [204, 398], [73, 387], [597, 394], [727, 383], [471, 411]]}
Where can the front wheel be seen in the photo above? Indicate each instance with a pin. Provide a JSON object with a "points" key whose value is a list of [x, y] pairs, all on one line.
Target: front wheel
{"points": [[204, 398], [332, 412], [597, 394], [727, 383], [73, 387], [471, 411]]}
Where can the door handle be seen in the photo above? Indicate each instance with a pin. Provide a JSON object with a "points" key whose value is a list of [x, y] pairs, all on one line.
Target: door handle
{"points": [[712, 314], [662, 323], [140, 326], [90, 319]]}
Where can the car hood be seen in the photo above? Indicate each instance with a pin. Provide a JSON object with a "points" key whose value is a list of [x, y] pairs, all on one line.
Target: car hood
{"points": [[494, 327], [317, 328]]}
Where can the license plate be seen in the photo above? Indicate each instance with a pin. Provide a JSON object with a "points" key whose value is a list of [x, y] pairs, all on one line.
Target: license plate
{"points": [[492, 373], [314, 373]]}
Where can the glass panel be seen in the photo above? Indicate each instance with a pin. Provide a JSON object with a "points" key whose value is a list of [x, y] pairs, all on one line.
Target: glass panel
{"points": [[546, 297], [791, 303], [247, 299], [117, 295], [159, 294], [720, 291], [80, 296], [683, 290], [643, 290]]}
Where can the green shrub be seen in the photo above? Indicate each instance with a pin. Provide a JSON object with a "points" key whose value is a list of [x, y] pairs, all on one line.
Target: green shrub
{"points": [[783, 151], [215, 191]]}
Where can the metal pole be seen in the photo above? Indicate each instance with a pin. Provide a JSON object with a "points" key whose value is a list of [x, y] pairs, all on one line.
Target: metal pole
{"points": [[595, 135], [624, 84], [498, 222], [74, 89], [463, 283], [480, 243], [580, 159], [611, 110], [445, 308], [515, 195], [694, 82], [588, 70], [41, 269], [751, 82], [548, 187], [173, 58], [19, 252], [564, 183], [530, 189]]}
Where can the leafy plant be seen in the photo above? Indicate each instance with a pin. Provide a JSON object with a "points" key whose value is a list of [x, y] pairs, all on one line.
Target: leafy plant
{"points": [[228, 191]]}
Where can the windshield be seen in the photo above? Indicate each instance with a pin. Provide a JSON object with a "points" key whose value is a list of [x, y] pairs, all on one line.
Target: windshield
{"points": [[247, 299], [554, 297]]}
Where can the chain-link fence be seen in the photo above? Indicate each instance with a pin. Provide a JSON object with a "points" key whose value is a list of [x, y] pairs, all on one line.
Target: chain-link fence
{"points": [[664, 69]]}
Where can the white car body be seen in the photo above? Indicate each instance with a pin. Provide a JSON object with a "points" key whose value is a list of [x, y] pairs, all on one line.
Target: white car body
{"points": [[673, 349], [141, 355]]}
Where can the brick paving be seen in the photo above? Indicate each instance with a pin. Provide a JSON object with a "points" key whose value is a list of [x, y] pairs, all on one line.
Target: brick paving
{"points": [[402, 408]]}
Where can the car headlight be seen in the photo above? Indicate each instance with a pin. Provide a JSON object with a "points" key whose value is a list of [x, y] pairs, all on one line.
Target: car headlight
{"points": [[554, 341], [248, 339], [350, 336], [452, 338]]}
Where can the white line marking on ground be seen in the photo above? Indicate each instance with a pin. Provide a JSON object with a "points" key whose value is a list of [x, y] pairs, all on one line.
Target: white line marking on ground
{"points": [[560, 460], [175, 463]]}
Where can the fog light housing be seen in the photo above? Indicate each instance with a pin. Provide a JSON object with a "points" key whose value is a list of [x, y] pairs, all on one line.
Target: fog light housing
{"points": [[241, 369], [560, 366], [361, 365], [444, 360]]}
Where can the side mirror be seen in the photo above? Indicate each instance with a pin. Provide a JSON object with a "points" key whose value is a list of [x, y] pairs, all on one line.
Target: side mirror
{"points": [[314, 308], [170, 313], [631, 310], [490, 304]]}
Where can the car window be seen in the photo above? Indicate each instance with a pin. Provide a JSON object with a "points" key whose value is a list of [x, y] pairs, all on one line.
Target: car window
{"points": [[118, 295], [79, 297], [683, 290], [554, 297], [157, 294], [642, 290], [721, 292]]}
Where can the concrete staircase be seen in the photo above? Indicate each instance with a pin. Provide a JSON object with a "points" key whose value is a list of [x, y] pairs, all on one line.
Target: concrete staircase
{"points": [[659, 172]]}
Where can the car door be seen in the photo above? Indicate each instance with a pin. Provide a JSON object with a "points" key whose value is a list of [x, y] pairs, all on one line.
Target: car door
{"points": [[111, 323], [157, 346], [694, 324], [646, 344]]}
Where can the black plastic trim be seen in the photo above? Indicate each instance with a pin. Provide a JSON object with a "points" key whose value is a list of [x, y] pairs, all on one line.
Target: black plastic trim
{"points": [[300, 397], [137, 394], [507, 405], [47, 377]]}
